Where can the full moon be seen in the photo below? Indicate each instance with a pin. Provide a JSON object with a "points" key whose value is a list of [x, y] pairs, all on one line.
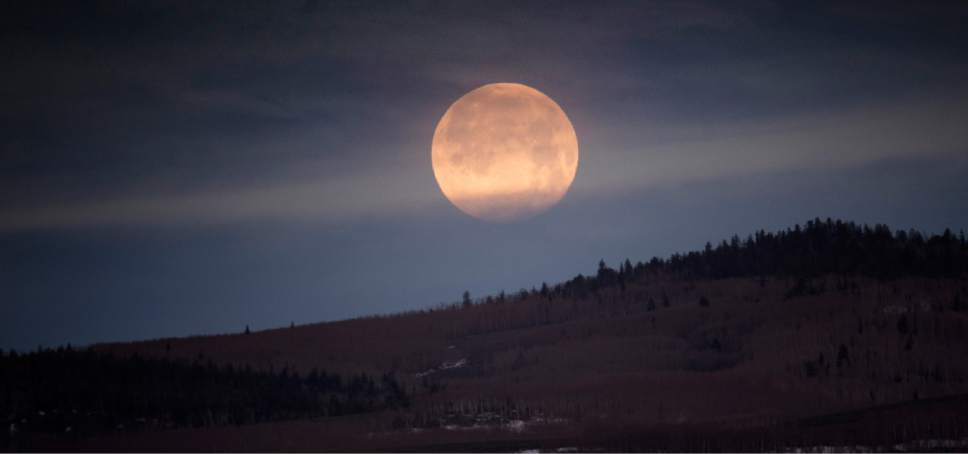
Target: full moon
{"points": [[504, 152]]}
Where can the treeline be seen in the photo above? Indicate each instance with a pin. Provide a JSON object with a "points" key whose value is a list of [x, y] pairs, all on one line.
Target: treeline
{"points": [[76, 393], [818, 248], [829, 247], [807, 256]]}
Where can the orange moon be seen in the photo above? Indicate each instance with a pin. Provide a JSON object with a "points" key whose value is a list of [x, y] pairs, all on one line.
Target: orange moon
{"points": [[504, 152]]}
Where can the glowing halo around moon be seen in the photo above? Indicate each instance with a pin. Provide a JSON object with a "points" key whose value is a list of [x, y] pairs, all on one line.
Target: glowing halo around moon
{"points": [[504, 152]]}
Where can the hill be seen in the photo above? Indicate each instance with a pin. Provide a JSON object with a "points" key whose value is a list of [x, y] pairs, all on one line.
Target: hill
{"points": [[826, 334]]}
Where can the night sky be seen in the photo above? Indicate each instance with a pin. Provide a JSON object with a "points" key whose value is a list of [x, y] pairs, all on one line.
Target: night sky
{"points": [[178, 168]]}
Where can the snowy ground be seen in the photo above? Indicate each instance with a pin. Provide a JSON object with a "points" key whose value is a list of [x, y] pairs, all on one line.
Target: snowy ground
{"points": [[443, 366], [910, 446]]}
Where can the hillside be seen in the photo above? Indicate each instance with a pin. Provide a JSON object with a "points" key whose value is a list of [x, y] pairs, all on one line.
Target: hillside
{"points": [[826, 334]]}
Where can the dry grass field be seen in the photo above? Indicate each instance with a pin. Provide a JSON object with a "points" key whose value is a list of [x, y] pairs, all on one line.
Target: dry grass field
{"points": [[648, 357]]}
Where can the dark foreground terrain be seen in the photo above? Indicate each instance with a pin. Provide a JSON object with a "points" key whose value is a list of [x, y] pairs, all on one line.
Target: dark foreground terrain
{"points": [[830, 336]]}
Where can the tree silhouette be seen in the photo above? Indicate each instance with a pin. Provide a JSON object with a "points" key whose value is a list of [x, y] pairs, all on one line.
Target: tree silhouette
{"points": [[96, 392], [818, 248]]}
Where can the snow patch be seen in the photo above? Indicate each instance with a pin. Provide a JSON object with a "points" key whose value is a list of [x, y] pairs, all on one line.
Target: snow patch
{"points": [[453, 364], [516, 425], [444, 366], [472, 427], [923, 445]]}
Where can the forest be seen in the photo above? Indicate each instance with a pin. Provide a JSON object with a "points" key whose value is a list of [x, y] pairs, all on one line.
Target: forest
{"points": [[819, 248], [78, 393]]}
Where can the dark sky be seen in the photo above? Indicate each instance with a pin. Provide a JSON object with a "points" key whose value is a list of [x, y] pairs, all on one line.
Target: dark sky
{"points": [[176, 168]]}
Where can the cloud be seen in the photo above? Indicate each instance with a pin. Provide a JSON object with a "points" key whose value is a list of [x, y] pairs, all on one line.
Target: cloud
{"points": [[379, 195], [176, 113], [815, 141], [846, 139]]}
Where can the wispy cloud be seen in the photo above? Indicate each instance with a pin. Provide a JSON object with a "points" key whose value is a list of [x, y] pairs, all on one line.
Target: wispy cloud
{"points": [[284, 112], [353, 198], [801, 142], [818, 141]]}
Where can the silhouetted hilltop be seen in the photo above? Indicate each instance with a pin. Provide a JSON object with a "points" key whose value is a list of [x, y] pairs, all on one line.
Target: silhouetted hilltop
{"points": [[756, 344], [822, 247], [819, 248]]}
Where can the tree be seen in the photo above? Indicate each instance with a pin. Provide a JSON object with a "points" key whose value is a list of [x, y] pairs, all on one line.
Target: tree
{"points": [[716, 345], [466, 299], [842, 356], [246, 329]]}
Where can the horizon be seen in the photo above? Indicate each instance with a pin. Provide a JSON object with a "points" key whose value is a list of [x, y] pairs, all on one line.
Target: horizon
{"points": [[479, 299]]}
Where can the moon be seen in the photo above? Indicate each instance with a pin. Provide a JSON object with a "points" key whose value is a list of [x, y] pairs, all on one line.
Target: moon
{"points": [[504, 152]]}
